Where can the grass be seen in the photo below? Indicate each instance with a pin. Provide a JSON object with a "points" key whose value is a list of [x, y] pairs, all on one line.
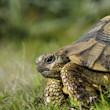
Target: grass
{"points": [[21, 87]]}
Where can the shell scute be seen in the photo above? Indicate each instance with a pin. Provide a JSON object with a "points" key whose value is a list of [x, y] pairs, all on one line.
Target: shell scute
{"points": [[104, 60], [92, 50]]}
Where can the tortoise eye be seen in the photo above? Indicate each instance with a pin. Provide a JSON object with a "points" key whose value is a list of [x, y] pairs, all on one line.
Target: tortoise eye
{"points": [[50, 59]]}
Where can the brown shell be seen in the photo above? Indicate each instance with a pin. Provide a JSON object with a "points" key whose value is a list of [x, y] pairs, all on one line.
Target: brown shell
{"points": [[92, 50]]}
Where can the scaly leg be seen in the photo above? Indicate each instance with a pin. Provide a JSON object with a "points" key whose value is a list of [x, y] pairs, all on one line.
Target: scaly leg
{"points": [[76, 85], [53, 92]]}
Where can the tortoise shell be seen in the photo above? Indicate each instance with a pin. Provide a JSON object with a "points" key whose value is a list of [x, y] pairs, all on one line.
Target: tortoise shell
{"points": [[92, 50]]}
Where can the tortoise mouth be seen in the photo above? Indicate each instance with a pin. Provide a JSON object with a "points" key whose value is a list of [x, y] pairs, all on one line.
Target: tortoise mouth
{"points": [[43, 71], [48, 73]]}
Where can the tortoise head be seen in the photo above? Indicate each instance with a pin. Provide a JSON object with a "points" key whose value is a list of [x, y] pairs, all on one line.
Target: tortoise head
{"points": [[50, 65]]}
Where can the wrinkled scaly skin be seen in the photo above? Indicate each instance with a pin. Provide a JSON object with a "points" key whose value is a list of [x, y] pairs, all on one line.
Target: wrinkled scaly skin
{"points": [[66, 77], [53, 92]]}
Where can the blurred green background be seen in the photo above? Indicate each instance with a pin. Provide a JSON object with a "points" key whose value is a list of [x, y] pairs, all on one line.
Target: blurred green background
{"points": [[29, 28]]}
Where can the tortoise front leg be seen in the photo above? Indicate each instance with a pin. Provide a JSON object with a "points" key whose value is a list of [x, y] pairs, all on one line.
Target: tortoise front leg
{"points": [[53, 92], [76, 85]]}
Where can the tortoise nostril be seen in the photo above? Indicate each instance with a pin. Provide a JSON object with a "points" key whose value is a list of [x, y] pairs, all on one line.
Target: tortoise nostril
{"points": [[39, 59]]}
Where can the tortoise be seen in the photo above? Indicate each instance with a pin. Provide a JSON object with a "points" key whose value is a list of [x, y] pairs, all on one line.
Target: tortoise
{"points": [[78, 69]]}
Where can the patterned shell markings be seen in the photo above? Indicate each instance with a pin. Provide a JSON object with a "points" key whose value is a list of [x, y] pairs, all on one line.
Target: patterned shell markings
{"points": [[92, 50]]}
